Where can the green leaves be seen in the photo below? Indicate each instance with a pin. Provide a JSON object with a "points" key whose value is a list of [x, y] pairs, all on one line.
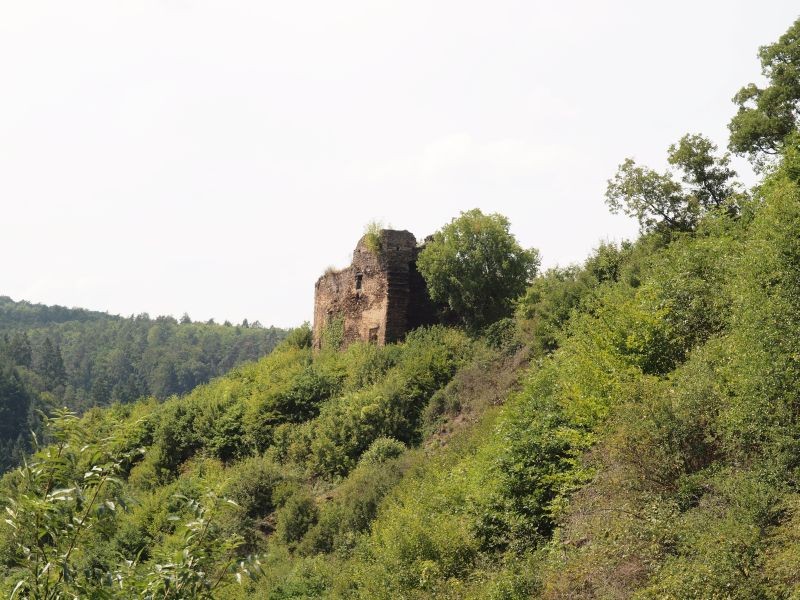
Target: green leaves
{"points": [[61, 498], [205, 558], [767, 116], [652, 198], [660, 203], [68, 499], [476, 267]]}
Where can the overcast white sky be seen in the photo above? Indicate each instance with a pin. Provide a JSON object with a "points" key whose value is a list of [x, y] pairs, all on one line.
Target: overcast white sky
{"points": [[215, 156]]}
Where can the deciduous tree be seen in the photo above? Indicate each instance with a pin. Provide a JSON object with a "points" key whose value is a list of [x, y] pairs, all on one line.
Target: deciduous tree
{"points": [[768, 115], [659, 201], [476, 267]]}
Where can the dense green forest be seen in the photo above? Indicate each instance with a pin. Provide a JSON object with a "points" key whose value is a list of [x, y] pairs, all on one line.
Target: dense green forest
{"points": [[626, 428], [54, 357]]}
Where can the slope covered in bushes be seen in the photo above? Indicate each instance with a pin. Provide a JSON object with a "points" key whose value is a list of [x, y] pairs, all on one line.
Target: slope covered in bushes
{"points": [[631, 431], [270, 436], [52, 356]]}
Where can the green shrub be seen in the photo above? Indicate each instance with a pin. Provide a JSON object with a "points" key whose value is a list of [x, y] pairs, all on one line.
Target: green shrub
{"points": [[333, 334], [353, 507], [296, 516], [373, 232], [331, 445], [299, 337], [381, 450], [476, 268], [251, 483]]}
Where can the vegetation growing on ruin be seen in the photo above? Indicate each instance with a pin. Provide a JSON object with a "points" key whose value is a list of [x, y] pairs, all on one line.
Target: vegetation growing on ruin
{"points": [[333, 333], [372, 237]]}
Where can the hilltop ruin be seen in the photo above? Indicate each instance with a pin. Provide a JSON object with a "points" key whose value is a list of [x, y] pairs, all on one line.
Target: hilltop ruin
{"points": [[379, 297]]}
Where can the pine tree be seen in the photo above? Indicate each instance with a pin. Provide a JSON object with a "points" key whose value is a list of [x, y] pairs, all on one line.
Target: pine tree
{"points": [[51, 365]]}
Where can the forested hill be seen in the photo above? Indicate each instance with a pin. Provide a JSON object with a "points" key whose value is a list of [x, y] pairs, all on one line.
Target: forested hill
{"points": [[54, 356], [23, 315]]}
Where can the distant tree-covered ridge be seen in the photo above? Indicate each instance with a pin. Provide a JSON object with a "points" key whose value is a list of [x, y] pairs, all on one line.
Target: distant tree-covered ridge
{"points": [[52, 356]]}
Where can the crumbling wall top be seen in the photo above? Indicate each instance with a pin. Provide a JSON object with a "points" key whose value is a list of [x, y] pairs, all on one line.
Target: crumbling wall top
{"points": [[378, 297]]}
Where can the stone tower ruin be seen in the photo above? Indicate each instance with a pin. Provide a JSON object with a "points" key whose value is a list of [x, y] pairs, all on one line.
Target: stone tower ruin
{"points": [[378, 298]]}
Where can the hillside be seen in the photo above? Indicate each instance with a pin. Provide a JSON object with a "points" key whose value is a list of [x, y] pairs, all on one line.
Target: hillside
{"points": [[648, 444], [52, 356], [625, 428]]}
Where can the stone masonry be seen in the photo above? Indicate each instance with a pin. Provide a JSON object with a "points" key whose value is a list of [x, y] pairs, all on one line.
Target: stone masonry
{"points": [[379, 297]]}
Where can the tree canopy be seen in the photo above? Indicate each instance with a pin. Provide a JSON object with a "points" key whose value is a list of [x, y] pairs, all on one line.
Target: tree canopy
{"points": [[768, 115], [660, 202], [476, 267]]}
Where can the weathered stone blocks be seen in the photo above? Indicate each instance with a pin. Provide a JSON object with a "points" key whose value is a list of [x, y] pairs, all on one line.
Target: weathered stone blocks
{"points": [[379, 297]]}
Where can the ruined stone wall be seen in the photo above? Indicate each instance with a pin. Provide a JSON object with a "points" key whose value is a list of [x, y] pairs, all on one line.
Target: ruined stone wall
{"points": [[398, 253], [421, 309], [378, 298], [356, 296]]}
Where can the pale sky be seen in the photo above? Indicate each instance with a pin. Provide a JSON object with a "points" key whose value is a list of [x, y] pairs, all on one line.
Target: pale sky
{"points": [[214, 157]]}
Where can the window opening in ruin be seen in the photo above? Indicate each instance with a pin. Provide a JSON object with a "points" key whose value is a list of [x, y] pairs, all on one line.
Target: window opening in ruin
{"points": [[359, 277], [373, 335]]}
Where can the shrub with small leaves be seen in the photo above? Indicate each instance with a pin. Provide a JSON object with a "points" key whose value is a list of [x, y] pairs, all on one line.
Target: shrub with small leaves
{"points": [[381, 450]]}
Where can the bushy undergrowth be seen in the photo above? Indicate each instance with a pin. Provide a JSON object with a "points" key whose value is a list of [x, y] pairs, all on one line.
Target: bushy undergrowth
{"points": [[270, 438]]}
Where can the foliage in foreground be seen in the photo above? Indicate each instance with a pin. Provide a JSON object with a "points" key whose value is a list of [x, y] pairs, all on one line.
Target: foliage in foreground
{"points": [[68, 499]]}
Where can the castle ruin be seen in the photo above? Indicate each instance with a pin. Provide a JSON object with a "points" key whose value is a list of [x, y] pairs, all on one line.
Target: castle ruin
{"points": [[379, 297]]}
